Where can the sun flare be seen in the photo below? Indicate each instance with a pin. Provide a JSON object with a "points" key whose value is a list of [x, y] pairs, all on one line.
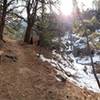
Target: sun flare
{"points": [[66, 7]]}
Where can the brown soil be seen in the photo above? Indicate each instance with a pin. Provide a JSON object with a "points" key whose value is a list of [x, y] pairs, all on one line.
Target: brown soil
{"points": [[30, 79]]}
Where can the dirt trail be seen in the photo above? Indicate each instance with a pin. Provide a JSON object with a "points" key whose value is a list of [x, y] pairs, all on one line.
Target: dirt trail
{"points": [[30, 79]]}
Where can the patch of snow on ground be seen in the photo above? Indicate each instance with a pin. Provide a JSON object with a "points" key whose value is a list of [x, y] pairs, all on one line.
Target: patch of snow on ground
{"points": [[82, 78], [87, 60]]}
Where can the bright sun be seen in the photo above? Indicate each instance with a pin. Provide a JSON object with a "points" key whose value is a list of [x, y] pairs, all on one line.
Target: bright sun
{"points": [[66, 7]]}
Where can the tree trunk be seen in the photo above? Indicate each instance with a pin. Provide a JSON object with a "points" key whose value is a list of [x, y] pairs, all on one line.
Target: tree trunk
{"points": [[28, 33], [1, 30], [2, 23]]}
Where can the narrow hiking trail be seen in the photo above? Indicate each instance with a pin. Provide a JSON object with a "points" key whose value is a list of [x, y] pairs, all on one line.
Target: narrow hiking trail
{"points": [[30, 79]]}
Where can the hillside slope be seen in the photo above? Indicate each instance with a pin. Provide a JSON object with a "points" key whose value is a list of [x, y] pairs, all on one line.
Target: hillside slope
{"points": [[28, 78]]}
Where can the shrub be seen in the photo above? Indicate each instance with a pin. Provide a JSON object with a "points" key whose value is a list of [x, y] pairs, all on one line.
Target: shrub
{"points": [[46, 39]]}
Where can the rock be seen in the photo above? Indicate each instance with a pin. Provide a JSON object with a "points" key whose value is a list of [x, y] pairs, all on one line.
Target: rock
{"points": [[9, 56], [61, 78]]}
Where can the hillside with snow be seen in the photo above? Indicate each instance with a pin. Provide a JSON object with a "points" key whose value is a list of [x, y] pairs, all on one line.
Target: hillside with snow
{"points": [[78, 70]]}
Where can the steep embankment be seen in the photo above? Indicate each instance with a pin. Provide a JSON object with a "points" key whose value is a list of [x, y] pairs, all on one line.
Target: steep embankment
{"points": [[28, 78]]}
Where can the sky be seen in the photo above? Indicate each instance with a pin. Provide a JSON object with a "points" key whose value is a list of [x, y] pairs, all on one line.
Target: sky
{"points": [[67, 7]]}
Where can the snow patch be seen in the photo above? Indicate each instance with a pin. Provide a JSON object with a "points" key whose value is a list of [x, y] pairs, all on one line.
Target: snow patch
{"points": [[86, 60]]}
